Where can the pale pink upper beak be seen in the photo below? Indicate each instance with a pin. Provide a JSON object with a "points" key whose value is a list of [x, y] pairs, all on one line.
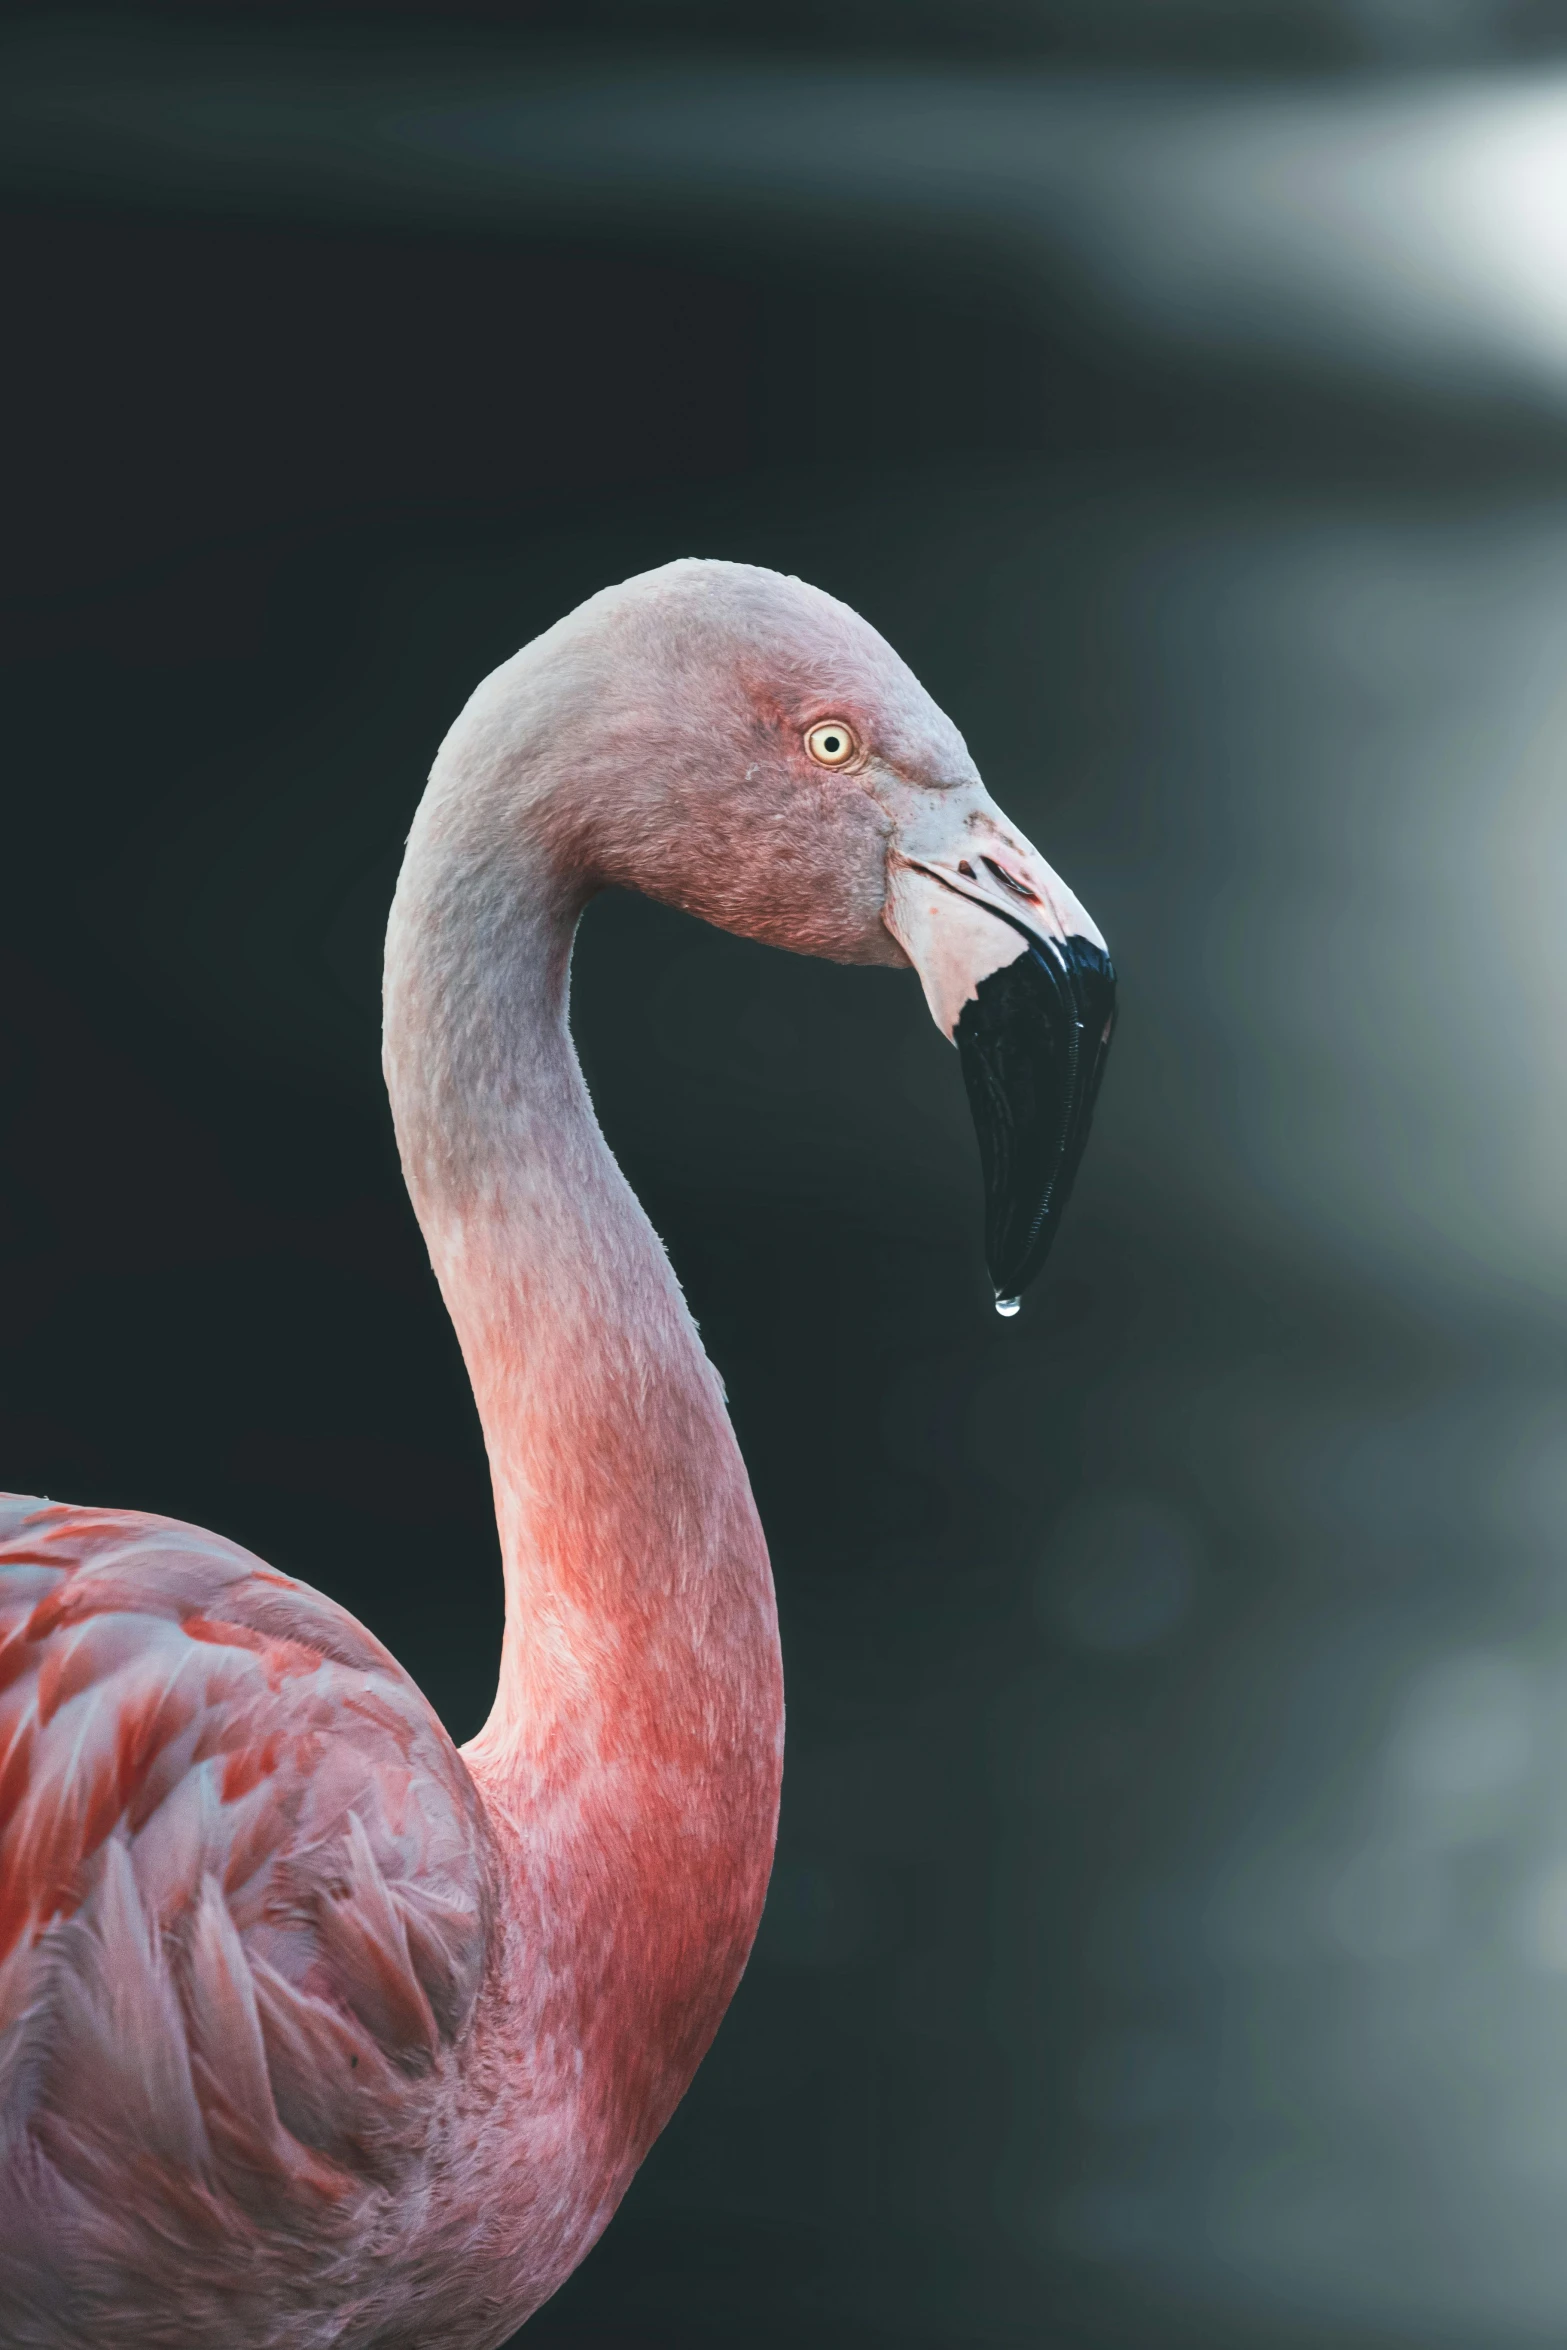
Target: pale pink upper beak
{"points": [[961, 915]]}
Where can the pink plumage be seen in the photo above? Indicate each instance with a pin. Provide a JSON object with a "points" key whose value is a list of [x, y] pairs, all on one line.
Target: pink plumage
{"points": [[314, 2030], [243, 1906]]}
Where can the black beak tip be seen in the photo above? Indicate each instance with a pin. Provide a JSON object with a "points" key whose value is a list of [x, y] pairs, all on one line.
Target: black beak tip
{"points": [[1033, 1042]]}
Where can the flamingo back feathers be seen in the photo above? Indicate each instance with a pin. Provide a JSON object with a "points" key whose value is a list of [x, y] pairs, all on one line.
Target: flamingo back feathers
{"points": [[244, 1910]]}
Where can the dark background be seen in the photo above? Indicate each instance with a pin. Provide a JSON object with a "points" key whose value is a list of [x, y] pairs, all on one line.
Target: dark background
{"points": [[1169, 1937]]}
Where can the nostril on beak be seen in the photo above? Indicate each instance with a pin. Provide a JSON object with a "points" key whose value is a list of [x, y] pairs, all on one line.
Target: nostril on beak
{"points": [[965, 868], [1019, 889]]}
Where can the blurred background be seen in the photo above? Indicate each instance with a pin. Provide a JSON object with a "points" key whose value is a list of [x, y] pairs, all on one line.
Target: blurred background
{"points": [[1168, 1944]]}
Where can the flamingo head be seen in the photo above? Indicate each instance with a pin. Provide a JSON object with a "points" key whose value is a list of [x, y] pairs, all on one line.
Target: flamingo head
{"points": [[774, 767]]}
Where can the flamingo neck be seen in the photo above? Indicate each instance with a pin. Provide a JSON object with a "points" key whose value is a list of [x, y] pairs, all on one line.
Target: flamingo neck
{"points": [[632, 1757]]}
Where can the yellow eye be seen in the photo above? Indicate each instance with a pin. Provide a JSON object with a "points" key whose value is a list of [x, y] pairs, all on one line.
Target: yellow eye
{"points": [[831, 743]]}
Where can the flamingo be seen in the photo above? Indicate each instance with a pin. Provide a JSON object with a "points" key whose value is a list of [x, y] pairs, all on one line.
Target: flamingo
{"points": [[315, 2028]]}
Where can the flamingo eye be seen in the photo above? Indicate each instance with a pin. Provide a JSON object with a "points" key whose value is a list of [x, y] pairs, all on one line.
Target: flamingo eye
{"points": [[831, 743]]}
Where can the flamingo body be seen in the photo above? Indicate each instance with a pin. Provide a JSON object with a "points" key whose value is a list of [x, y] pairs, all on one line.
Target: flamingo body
{"points": [[313, 2029], [282, 1997], [244, 1892]]}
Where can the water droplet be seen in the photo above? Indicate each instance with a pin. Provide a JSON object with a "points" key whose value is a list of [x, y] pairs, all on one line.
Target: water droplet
{"points": [[1008, 1305]]}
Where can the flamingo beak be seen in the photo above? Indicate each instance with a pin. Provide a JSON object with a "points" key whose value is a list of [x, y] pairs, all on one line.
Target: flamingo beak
{"points": [[1016, 974]]}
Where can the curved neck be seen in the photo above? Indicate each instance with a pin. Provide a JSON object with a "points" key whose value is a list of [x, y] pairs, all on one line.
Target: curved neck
{"points": [[634, 1748]]}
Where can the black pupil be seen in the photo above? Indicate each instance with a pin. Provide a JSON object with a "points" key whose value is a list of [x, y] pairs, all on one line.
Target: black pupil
{"points": [[830, 745]]}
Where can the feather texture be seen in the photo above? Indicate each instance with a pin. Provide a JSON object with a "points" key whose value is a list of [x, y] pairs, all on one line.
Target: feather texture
{"points": [[243, 1920]]}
